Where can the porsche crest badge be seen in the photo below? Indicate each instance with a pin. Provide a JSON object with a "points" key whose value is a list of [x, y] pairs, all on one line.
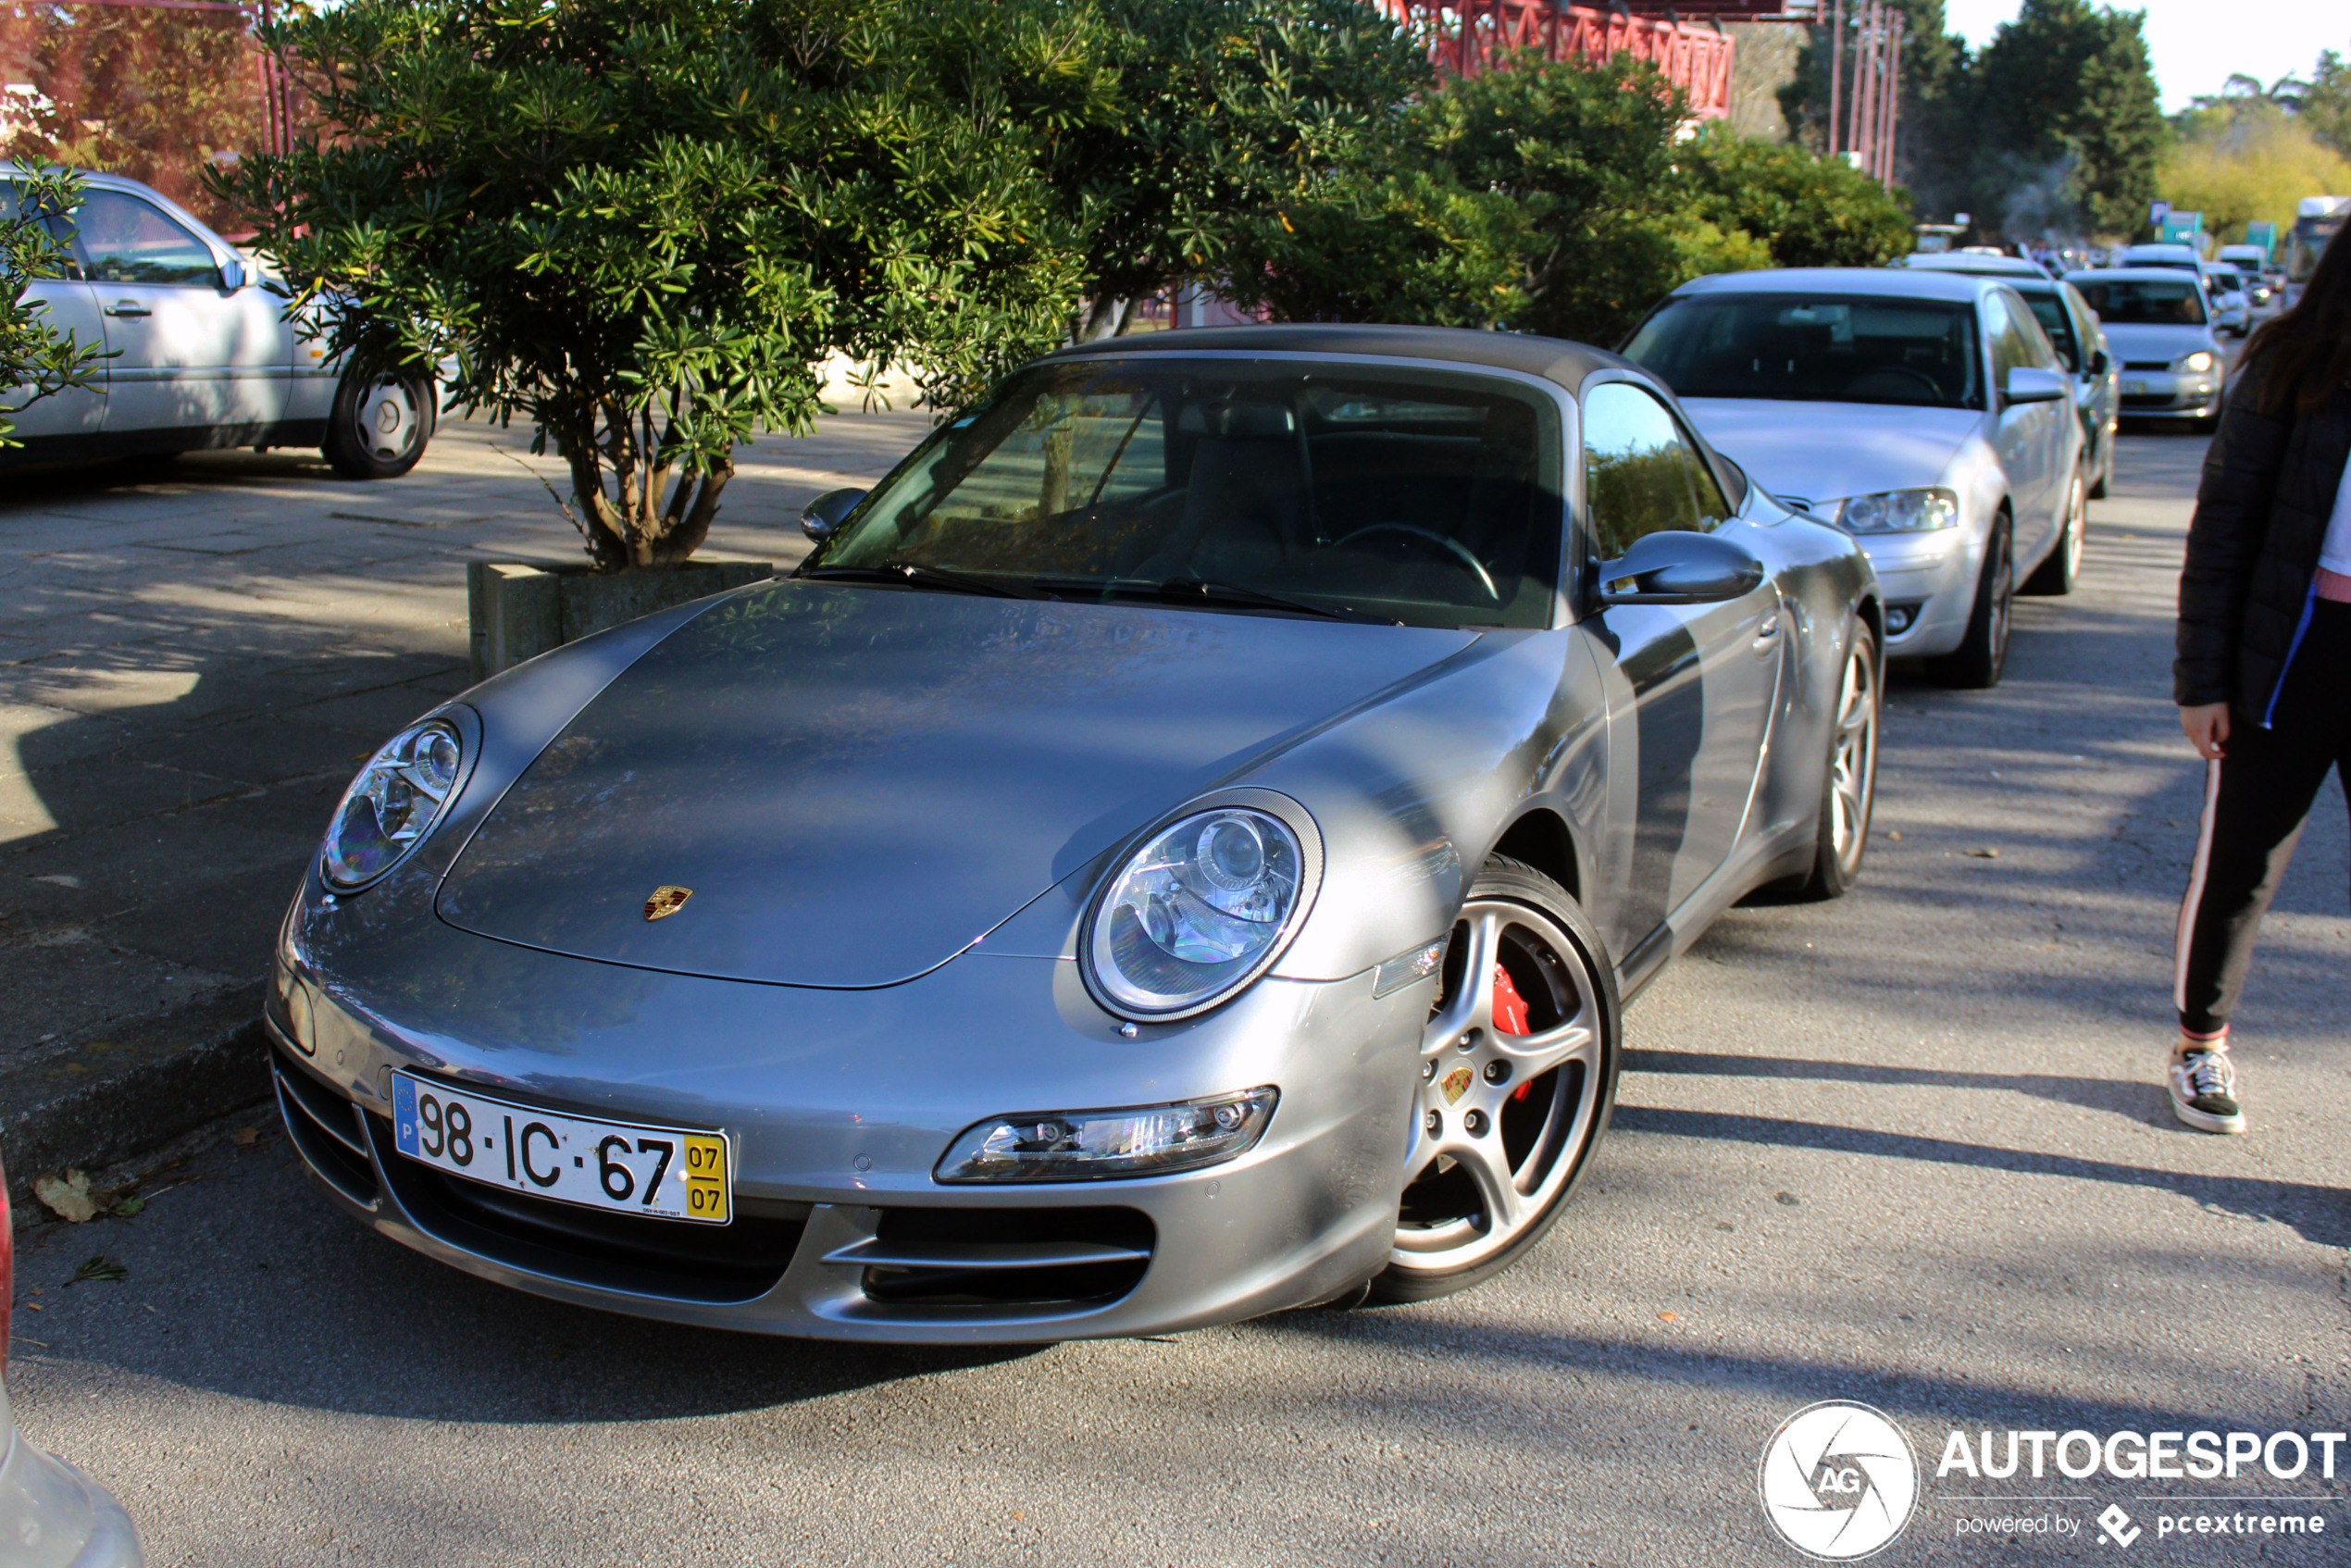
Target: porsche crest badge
{"points": [[666, 902], [1456, 1083]]}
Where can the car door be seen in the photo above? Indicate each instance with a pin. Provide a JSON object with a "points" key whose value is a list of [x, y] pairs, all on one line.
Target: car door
{"points": [[2026, 435], [1690, 718], [190, 354], [67, 306]]}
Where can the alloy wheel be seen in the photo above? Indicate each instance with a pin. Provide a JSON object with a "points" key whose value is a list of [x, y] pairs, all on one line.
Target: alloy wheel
{"points": [[1853, 763], [1511, 1092], [2003, 600], [2077, 528]]}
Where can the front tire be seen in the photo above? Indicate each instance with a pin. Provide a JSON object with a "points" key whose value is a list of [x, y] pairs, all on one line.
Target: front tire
{"points": [[1849, 792], [2062, 570], [378, 426], [1977, 663], [1512, 1102]]}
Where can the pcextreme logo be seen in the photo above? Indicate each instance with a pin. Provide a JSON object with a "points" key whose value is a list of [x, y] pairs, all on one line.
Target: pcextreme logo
{"points": [[1838, 1480]]}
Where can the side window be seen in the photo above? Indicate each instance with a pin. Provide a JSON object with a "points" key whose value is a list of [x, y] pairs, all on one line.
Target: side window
{"points": [[2050, 310], [125, 241], [1640, 476], [2011, 348]]}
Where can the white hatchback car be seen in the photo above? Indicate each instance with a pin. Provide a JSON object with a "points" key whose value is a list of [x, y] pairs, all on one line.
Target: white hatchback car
{"points": [[200, 350]]}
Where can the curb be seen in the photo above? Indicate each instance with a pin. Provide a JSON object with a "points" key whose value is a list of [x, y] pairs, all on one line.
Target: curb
{"points": [[140, 1088]]}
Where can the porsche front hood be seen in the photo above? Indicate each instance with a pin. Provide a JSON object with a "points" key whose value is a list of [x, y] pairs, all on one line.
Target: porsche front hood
{"points": [[855, 783]]}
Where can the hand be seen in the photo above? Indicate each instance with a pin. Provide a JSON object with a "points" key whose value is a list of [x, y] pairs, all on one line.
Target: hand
{"points": [[2208, 728]]}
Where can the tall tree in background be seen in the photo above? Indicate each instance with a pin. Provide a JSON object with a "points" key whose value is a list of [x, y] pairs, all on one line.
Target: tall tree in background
{"points": [[2326, 103], [2069, 128], [1228, 109]]}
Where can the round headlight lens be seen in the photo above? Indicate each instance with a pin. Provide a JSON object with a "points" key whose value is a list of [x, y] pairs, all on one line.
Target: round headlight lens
{"points": [[1195, 912], [391, 805]]}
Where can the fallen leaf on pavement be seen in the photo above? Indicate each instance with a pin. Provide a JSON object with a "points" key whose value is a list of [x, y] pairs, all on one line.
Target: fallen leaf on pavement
{"points": [[66, 1196], [127, 1207], [99, 1267], [1985, 854], [1667, 1317], [245, 1138]]}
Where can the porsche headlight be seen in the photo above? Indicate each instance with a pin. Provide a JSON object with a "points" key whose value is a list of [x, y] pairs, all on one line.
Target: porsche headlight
{"points": [[391, 805], [1901, 511], [1198, 913], [2195, 364]]}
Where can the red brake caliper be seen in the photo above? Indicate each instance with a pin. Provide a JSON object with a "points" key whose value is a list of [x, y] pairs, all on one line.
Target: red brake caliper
{"points": [[1510, 1015]]}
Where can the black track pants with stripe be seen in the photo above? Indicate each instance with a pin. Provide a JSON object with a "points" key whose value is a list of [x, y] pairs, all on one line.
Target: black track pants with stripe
{"points": [[2254, 801]]}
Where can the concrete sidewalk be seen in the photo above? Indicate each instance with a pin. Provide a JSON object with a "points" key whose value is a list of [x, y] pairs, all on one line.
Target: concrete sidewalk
{"points": [[195, 656]]}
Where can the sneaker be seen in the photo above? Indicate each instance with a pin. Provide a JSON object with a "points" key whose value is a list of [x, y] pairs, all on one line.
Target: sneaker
{"points": [[2204, 1083]]}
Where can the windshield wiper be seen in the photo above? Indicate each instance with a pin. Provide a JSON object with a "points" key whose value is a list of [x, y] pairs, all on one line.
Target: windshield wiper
{"points": [[1203, 591], [915, 574]]}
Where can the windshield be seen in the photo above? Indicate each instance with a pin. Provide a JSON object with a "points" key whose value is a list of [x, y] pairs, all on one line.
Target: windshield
{"points": [[1428, 498], [2049, 311], [1814, 349], [2142, 302]]}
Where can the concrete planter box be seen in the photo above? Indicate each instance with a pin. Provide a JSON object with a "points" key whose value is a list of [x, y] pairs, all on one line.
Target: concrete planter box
{"points": [[521, 609]]}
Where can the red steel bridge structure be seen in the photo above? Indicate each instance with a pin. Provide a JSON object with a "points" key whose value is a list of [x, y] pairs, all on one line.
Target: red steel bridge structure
{"points": [[1468, 37]]}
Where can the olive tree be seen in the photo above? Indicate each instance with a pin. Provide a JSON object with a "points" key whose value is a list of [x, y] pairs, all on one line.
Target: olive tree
{"points": [[646, 228]]}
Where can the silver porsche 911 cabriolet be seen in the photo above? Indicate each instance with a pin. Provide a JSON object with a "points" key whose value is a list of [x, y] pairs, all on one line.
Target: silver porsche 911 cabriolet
{"points": [[1174, 851]]}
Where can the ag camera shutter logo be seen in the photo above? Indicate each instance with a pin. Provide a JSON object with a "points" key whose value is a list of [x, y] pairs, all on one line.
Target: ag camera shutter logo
{"points": [[1838, 1480]]}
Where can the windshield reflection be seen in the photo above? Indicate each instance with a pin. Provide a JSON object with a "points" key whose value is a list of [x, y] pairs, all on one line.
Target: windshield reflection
{"points": [[1424, 498]]}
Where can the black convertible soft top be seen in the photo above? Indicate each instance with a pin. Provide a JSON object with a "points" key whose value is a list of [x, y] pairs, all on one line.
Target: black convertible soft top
{"points": [[1554, 359]]}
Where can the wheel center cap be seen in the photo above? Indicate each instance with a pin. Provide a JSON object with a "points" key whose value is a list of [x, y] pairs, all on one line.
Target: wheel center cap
{"points": [[1456, 1083]]}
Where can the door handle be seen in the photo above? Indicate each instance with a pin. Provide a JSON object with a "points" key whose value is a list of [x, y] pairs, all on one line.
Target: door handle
{"points": [[1767, 636], [127, 308]]}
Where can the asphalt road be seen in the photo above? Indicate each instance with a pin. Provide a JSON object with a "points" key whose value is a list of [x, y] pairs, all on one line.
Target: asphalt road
{"points": [[1908, 1149]]}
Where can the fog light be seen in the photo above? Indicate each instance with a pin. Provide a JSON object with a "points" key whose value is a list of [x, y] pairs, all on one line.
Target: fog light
{"points": [[1130, 1142], [1898, 618]]}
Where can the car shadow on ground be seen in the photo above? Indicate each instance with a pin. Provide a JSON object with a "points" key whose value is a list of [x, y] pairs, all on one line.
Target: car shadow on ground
{"points": [[331, 1316]]}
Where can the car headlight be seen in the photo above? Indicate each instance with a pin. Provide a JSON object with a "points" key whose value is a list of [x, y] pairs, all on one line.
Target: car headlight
{"points": [[1088, 1145], [1901, 511], [2195, 364], [391, 805], [1197, 913]]}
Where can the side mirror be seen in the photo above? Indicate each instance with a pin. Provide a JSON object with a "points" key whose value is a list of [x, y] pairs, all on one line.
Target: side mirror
{"points": [[1680, 568], [823, 516], [2029, 384], [235, 274]]}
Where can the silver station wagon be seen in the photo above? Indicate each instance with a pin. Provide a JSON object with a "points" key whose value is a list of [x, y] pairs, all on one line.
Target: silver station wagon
{"points": [[1175, 851]]}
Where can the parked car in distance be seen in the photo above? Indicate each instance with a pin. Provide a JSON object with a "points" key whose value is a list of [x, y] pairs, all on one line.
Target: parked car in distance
{"points": [[2174, 364], [1923, 411], [200, 351], [51, 1514], [2081, 348], [1172, 853]]}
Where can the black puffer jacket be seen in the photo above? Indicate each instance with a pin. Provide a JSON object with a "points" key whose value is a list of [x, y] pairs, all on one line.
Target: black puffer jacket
{"points": [[2261, 515]]}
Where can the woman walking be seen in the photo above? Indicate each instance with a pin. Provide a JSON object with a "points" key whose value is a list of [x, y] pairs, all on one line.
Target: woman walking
{"points": [[2263, 673]]}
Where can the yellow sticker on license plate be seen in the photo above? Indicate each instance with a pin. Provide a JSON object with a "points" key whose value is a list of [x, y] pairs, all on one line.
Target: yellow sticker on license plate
{"points": [[622, 1167]]}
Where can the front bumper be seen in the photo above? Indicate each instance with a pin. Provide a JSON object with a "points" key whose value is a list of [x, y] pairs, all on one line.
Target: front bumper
{"points": [[1930, 576], [2164, 395], [839, 1104]]}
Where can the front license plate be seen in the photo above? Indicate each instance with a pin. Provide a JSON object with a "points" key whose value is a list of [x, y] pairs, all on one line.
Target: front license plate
{"points": [[662, 1173], [2132, 389]]}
